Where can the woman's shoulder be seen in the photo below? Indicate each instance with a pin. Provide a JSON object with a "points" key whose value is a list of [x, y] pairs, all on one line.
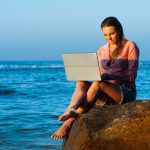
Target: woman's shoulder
{"points": [[132, 47], [102, 48], [131, 44]]}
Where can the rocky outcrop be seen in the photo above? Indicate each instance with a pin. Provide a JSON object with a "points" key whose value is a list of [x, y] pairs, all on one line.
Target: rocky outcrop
{"points": [[114, 127]]}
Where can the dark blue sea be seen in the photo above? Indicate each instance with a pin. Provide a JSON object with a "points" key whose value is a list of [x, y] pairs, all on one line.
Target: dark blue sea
{"points": [[32, 96]]}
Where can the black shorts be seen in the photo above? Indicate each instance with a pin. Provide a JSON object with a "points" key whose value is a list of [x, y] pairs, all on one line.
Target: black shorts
{"points": [[128, 94]]}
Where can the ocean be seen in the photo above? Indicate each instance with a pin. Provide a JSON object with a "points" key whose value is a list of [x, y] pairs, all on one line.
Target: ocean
{"points": [[32, 96]]}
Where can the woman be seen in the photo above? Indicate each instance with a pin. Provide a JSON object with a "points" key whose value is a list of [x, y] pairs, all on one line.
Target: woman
{"points": [[118, 61]]}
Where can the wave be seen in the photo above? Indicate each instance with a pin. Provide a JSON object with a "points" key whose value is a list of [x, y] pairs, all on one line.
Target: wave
{"points": [[29, 66]]}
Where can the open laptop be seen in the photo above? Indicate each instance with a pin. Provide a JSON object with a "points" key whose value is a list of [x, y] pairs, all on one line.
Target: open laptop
{"points": [[82, 66]]}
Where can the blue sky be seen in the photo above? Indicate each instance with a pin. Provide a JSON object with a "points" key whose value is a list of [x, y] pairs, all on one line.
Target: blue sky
{"points": [[44, 29]]}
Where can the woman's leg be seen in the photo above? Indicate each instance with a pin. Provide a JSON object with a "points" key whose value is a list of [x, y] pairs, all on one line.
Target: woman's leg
{"points": [[79, 94], [87, 102], [78, 97], [92, 94], [112, 90]]}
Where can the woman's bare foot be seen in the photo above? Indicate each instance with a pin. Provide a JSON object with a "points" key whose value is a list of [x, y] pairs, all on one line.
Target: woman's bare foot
{"points": [[63, 130], [71, 114]]}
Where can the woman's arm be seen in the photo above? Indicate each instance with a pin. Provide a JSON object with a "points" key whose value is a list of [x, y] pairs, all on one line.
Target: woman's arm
{"points": [[122, 77]]}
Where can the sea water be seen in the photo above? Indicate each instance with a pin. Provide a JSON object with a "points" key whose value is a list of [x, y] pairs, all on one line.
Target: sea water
{"points": [[32, 96]]}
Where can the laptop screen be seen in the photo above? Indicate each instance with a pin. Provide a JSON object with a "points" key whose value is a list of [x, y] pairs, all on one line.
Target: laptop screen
{"points": [[82, 66]]}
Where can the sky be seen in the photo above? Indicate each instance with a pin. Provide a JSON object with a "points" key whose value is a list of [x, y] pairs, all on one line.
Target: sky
{"points": [[45, 29]]}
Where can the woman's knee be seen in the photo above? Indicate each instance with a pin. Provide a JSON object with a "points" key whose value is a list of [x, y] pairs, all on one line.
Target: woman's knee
{"points": [[95, 85], [82, 85], [93, 91], [102, 85], [81, 88], [94, 88]]}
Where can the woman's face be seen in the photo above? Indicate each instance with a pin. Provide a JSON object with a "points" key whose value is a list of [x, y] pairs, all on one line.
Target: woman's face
{"points": [[110, 34]]}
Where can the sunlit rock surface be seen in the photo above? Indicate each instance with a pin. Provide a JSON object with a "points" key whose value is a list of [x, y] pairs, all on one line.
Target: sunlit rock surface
{"points": [[114, 127]]}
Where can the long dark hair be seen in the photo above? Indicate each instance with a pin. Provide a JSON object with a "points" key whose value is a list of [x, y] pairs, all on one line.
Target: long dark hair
{"points": [[113, 21]]}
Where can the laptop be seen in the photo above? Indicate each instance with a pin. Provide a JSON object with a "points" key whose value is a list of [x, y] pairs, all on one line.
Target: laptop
{"points": [[82, 66]]}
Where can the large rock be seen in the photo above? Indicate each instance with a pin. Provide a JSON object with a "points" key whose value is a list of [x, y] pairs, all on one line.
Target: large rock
{"points": [[114, 127]]}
